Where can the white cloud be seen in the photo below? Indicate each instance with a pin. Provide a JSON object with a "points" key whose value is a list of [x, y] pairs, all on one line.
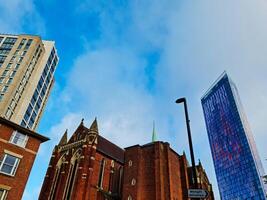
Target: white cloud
{"points": [[18, 16], [196, 42]]}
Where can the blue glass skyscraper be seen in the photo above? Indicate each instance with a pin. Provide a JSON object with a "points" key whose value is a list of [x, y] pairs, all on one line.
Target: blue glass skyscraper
{"points": [[237, 164]]}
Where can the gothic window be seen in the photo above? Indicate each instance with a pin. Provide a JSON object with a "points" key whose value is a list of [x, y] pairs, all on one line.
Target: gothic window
{"points": [[111, 176], [120, 179], [72, 174], [101, 173], [3, 194], [56, 178]]}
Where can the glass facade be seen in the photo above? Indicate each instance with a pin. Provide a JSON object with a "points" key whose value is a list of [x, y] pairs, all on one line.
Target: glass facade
{"points": [[236, 161], [40, 92]]}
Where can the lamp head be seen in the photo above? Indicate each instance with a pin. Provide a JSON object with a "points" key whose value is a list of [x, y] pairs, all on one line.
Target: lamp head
{"points": [[180, 100]]}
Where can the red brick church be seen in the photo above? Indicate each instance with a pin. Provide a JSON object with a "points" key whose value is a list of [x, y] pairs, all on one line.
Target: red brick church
{"points": [[89, 167]]}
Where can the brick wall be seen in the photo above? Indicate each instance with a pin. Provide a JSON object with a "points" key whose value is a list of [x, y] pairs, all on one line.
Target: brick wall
{"points": [[17, 183]]}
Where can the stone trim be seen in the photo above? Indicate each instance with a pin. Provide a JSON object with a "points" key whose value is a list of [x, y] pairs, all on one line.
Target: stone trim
{"points": [[5, 187], [13, 154]]}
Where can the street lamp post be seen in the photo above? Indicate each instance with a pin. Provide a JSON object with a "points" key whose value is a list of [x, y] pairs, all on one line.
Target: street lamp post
{"points": [[194, 172]]}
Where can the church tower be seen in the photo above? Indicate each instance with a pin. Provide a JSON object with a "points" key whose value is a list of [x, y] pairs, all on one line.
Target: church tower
{"points": [[87, 166]]}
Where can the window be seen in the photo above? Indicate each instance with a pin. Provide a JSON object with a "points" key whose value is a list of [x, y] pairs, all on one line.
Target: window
{"points": [[49, 77], [23, 80], [7, 46], [31, 122], [53, 52], [8, 113], [4, 52], [5, 73], [133, 182], [1, 97], [19, 139], [9, 164], [10, 40], [3, 194], [42, 92], [20, 59], [45, 70], [39, 103], [2, 79], [12, 104], [8, 66], [23, 123], [17, 66], [20, 88], [40, 83], [33, 116], [22, 43], [9, 81], [28, 44], [35, 95], [4, 89], [24, 53], [12, 73], [2, 58], [16, 52], [101, 173], [36, 108], [13, 59]]}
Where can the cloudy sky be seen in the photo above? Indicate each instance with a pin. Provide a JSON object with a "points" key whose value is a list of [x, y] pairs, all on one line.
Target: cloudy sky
{"points": [[126, 62]]}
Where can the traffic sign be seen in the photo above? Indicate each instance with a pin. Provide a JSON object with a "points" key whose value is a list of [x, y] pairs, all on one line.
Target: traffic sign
{"points": [[198, 193]]}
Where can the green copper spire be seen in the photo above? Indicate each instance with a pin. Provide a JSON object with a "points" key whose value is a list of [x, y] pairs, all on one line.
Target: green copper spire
{"points": [[154, 137]]}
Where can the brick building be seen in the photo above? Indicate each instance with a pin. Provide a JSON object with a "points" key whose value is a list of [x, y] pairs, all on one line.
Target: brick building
{"points": [[87, 166], [18, 148]]}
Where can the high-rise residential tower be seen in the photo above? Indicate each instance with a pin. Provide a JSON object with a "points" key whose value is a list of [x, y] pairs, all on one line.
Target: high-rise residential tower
{"points": [[237, 164], [27, 66]]}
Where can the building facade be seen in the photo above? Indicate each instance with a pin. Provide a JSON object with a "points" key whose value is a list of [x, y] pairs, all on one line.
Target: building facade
{"points": [[89, 167], [27, 67], [85, 167], [18, 149], [237, 164]]}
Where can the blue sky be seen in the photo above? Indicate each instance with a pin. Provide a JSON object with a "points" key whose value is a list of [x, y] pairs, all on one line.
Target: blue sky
{"points": [[126, 62]]}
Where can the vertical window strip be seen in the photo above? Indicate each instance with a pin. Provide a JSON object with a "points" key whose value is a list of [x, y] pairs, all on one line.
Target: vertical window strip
{"points": [[3, 194], [101, 173], [54, 184], [72, 180]]}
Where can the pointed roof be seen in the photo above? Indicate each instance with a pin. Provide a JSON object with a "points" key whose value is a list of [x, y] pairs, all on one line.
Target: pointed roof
{"points": [[94, 126], [199, 163], [154, 136], [64, 138]]}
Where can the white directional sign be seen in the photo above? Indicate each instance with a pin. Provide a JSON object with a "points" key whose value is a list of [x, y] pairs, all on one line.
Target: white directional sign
{"points": [[198, 193]]}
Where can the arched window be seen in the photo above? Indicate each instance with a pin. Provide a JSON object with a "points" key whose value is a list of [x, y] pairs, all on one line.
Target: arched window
{"points": [[101, 173], [111, 176], [72, 174], [56, 177]]}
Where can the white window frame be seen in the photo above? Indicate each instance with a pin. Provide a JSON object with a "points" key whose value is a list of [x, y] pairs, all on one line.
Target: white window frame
{"points": [[8, 113], [14, 167], [4, 195], [23, 144], [4, 88]]}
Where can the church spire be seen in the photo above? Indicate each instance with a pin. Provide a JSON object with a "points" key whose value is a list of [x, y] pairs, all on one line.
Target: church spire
{"points": [[64, 138], [154, 136], [94, 126]]}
